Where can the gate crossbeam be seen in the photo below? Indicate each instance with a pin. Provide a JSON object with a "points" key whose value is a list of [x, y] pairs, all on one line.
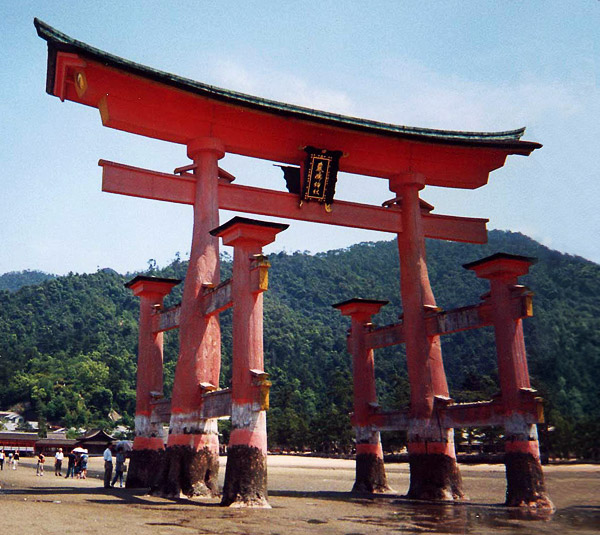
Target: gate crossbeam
{"points": [[453, 321], [137, 182]]}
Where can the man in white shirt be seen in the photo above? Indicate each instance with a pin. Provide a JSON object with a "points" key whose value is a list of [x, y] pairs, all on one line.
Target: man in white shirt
{"points": [[58, 459], [108, 466]]}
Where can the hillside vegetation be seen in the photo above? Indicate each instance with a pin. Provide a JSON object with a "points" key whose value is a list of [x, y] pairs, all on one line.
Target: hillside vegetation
{"points": [[68, 344], [14, 280]]}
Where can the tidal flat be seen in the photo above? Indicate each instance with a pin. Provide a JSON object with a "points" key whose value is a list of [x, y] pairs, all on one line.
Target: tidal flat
{"points": [[307, 495]]}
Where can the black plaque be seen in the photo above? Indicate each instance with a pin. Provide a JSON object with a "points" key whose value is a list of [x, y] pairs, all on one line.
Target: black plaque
{"points": [[320, 175]]}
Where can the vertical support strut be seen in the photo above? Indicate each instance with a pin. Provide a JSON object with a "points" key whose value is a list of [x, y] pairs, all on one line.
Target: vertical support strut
{"points": [[246, 472], [192, 455], [524, 476], [434, 472], [149, 440], [370, 469]]}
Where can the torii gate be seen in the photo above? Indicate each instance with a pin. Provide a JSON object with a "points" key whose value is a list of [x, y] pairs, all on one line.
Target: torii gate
{"points": [[211, 121]]}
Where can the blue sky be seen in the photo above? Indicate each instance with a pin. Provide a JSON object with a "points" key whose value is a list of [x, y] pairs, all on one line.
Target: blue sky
{"points": [[456, 65]]}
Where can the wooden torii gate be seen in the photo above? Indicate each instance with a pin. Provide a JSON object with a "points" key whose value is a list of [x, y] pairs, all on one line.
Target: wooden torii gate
{"points": [[210, 122]]}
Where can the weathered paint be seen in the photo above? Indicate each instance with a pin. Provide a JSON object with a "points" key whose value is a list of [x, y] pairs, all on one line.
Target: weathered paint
{"points": [[199, 341], [148, 434], [213, 300], [161, 411], [249, 426], [521, 443], [151, 292], [370, 470], [248, 439], [452, 321], [216, 404], [149, 438], [169, 319], [423, 353], [372, 448]]}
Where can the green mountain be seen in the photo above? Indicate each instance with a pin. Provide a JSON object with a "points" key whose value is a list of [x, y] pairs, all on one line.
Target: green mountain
{"points": [[14, 280], [68, 345]]}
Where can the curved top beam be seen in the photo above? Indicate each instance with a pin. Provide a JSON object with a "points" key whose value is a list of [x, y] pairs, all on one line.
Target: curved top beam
{"points": [[150, 102]]}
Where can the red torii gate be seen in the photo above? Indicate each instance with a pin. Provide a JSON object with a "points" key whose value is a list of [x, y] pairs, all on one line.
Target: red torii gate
{"points": [[210, 122]]}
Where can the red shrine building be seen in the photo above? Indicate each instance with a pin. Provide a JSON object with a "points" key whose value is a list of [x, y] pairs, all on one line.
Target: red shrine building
{"points": [[312, 146]]}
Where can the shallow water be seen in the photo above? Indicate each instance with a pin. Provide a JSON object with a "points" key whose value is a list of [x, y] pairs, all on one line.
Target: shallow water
{"points": [[486, 520]]}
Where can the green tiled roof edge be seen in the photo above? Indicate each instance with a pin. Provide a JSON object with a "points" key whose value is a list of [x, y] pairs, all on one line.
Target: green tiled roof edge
{"points": [[58, 41]]}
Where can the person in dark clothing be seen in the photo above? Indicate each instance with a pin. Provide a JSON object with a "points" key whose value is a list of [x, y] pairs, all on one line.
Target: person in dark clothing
{"points": [[119, 468], [71, 465]]}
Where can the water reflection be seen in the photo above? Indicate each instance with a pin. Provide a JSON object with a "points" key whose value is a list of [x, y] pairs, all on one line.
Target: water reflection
{"points": [[409, 517]]}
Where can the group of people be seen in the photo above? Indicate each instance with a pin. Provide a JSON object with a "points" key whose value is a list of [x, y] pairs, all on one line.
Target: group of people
{"points": [[77, 463], [119, 459], [12, 458], [76, 467]]}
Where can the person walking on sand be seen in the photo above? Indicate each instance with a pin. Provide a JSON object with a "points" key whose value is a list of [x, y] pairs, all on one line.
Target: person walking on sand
{"points": [[71, 465], [2, 457], [58, 459], [77, 470], [41, 459], [16, 458], [108, 466], [83, 464], [119, 468]]}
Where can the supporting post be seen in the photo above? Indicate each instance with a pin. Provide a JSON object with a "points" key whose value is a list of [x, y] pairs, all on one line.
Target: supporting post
{"points": [[192, 455], [246, 472], [434, 473], [370, 469], [524, 476], [148, 443]]}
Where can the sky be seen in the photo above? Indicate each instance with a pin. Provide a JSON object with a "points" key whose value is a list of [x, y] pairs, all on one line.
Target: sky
{"points": [[468, 65]]}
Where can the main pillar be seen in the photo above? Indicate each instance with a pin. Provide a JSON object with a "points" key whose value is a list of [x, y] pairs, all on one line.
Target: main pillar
{"points": [[148, 443], [524, 476], [370, 470], [192, 455], [246, 472], [434, 473]]}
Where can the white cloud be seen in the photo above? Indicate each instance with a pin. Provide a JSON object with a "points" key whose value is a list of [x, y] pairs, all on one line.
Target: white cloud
{"points": [[423, 97], [281, 86], [406, 92]]}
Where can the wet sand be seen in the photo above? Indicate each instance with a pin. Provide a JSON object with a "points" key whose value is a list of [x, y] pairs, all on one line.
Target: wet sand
{"points": [[307, 495]]}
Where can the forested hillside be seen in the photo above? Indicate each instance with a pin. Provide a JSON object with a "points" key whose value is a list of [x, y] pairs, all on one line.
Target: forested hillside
{"points": [[68, 345], [14, 280]]}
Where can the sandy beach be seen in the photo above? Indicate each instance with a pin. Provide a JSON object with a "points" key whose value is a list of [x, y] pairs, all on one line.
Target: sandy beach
{"points": [[307, 495]]}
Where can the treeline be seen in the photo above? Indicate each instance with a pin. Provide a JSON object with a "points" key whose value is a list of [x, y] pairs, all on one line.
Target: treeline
{"points": [[68, 345], [13, 280]]}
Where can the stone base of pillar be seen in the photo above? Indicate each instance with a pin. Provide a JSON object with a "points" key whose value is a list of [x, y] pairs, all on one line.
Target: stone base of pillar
{"points": [[188, 472], [370, 474], [145, 467], [245, 478], [434, 477], [525, 485]]}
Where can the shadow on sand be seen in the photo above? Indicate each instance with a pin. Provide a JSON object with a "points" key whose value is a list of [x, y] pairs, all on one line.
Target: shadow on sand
{"points": [[384, 510]]}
